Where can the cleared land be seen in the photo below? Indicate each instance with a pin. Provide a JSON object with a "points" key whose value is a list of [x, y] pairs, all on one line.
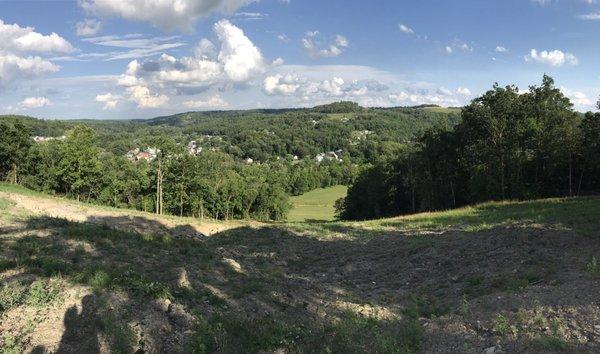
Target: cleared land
{"points": [[317, 204], [520, 277]]}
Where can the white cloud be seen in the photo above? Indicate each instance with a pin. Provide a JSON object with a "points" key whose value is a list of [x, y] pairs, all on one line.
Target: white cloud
{"points": [[315, 47], [463, 91], [34, 102], [238, 61], [458, 45], [205, 49], [501, 49], [592, 16], [88, 27], [110, 100], [16, 45], [17, 39], [555, 58], [239, 56], [251, 16], [578, 98], [405, 29], [213, 102], [281, 84], [541, 2], [167, 14], [278, 62], [144, 98], [282, 37], [136, 45]]}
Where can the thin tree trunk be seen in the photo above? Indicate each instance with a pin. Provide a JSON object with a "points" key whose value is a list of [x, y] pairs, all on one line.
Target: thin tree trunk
{"points": [[570, 176]]}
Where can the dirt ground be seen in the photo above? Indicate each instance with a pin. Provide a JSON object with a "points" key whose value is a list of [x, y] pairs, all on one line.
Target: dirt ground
{"points": [[516, 289]]}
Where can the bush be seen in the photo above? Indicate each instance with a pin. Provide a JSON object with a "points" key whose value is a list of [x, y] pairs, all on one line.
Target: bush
{"points": [[12, 295]]}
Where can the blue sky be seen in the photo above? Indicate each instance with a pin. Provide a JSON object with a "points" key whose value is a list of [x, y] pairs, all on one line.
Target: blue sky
{"points": [[118, 59]]}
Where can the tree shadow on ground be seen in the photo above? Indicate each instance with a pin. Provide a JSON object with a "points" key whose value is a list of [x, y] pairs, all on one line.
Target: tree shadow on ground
{"points": [[252, 289]]}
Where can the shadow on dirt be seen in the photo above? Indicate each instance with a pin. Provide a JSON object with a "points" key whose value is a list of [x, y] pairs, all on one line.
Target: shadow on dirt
{"points": [[264, 289]]}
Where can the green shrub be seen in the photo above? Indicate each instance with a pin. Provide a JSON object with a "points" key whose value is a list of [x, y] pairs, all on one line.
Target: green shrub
{"points": [[12, 295], [41, 294], [592, 268]]}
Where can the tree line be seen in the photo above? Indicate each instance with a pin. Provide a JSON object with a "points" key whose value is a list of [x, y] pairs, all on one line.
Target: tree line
{"points": [[508, 145], [211, 185]]}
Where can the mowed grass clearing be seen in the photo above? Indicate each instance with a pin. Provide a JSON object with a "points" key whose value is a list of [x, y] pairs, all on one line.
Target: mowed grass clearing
{"points": [[316, 204]]}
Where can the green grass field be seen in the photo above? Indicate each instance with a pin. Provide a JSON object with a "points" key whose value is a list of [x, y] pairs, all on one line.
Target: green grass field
{"points": [[317, 204], [443, 109]]}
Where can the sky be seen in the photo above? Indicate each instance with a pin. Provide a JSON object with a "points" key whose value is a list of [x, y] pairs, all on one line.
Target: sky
{"points": [[126, 59]]}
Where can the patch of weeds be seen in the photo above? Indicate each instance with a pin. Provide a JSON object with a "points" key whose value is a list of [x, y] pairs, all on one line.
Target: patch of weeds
{"points": [[248, 286], [592, 268], [99, 280], [205, 296], [10, 345], [518, 283], [50, 266], [228, 333], [421, 307], [359, 334], [475, 287], [42, 293], [136, 283], [6, 264], [6, 204], [552, 343], [12, 295], [419, 242], [464, 306], [503, 327], [121, 337]]}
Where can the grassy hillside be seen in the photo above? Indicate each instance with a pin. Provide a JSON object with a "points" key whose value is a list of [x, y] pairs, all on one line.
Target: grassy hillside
{"points": [[520, 277], [316, 204]]}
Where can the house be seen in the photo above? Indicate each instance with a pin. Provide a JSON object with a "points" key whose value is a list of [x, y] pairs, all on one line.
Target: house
{"points": [[43, 139], [193, 148], [136, 154], [329, 156], [248, 161]]}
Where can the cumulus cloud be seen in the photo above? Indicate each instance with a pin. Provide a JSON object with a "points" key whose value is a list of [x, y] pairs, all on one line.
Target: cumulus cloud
{"points": [[144, 98], [14, 38], [167, 14], [213, 102], [88, 27], [458, 45], [239, 57], [236, 62], [555, 58], [501, 49], [34, 102], [281, 84], [318, 48], [17, 44], [110, 100]]}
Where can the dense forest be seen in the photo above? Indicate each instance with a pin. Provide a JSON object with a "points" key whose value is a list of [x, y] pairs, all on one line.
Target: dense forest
{"points": [[246, 164], [508, 145]]}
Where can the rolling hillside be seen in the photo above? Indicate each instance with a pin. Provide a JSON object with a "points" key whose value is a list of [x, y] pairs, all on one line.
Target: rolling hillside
{"points": [[501, 277]]}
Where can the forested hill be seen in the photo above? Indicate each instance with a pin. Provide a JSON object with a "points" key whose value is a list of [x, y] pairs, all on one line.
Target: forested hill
{"points": [[267, 134]]}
